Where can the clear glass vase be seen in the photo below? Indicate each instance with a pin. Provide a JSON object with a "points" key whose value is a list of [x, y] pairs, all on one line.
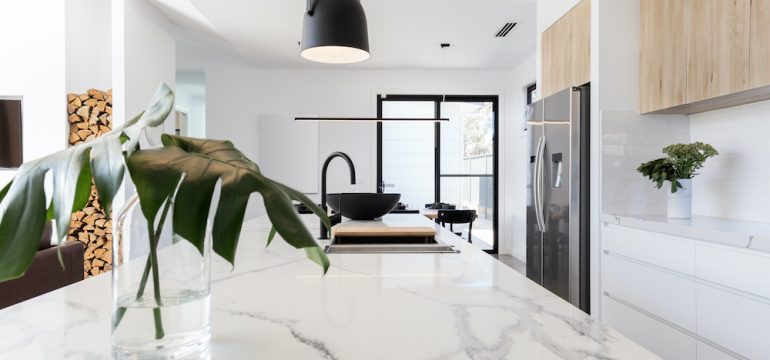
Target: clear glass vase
{"points": [[160, 289]]}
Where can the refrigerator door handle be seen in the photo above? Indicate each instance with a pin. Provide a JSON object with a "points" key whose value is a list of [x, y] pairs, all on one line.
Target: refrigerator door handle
{"points": [[538, 182], [541, 188]]}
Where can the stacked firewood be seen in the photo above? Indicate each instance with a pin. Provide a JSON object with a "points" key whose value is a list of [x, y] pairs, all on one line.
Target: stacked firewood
{"points": [[90, 115]]}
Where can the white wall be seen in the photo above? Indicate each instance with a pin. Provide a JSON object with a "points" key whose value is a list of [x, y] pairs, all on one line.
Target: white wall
{"points": [[191, 97], [143, 56], [88, 38], [144, 52], [514, 143], [237, 96], [735, 183], [32, 67]]}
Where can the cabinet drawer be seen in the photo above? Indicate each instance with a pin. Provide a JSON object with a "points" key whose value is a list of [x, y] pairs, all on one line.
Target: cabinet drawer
{"points": [[737, 269], [708, 352], [662, 294], [662, 250], [661, 339], [739, 324]]}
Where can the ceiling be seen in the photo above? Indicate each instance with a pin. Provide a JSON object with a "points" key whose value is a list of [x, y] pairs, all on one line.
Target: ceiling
{"points": [[403, 34]]}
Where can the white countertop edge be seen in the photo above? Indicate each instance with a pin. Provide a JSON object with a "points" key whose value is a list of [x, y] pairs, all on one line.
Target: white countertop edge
{"points": [[738, 233]]}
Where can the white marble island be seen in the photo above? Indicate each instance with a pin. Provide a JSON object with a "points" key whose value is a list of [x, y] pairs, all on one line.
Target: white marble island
{"points": [[277, 305]]}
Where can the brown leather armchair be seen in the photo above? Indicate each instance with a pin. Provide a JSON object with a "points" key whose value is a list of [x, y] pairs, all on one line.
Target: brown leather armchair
{"points": [[45, 273]]}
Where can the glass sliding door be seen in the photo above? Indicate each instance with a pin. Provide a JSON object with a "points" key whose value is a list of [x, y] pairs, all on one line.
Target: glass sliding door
{"points": [[452, 162]]}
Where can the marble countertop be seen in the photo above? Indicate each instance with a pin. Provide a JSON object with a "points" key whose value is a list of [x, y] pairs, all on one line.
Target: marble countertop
{"points": [[739, 233], [276, 304]]}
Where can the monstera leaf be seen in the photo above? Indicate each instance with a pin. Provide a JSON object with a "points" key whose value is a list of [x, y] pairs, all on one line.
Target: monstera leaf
{"points": [[23, 201], [192, 168]]}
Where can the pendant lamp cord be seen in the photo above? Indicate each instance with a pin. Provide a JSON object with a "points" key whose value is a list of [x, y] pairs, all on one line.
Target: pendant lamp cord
{"points": [[443, 69], [310, 6]]}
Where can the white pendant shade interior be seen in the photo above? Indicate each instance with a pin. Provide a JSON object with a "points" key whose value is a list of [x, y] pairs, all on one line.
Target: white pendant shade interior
{"points": [[335, 54]]}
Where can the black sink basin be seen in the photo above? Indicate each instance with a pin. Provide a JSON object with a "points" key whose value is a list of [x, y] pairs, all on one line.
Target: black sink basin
{"points": [[362, 206]]}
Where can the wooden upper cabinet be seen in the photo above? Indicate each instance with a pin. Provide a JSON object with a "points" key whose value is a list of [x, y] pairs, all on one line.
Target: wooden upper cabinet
{"points": [[566, 50], [662, 55], [554, 53], [760, 43], [718, 47], [580, 53]]}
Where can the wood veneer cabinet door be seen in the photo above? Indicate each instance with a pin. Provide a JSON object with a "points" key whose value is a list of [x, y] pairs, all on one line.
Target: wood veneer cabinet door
{"points": [[566, 50], [555, 52], [760, 43], [662, 54], [718, 47], [580, 52]]}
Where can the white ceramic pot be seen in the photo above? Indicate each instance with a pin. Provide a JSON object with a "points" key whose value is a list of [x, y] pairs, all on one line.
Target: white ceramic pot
{"points": [[680, 202]]}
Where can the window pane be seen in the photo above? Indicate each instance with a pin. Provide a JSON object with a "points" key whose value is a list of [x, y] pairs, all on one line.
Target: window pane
{"points": [[467, 138], [408, 152]]}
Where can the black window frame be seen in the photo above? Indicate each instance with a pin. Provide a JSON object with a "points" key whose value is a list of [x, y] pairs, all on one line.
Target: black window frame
{"points": [[438, 99], [531, 93]]}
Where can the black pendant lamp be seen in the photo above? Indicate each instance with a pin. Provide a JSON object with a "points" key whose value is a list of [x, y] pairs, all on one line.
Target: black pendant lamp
{"points": [[335, 32]]}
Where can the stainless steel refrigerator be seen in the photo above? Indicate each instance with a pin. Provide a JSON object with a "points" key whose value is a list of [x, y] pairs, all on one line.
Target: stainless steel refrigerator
{"points": [[558, 195]]}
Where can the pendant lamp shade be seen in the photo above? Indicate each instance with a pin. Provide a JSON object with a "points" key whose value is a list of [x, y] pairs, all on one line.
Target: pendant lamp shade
{"points": [[335, 32]]}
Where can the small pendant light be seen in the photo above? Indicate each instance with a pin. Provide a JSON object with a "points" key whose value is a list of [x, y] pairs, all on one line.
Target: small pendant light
{"points": [[335, 32]]}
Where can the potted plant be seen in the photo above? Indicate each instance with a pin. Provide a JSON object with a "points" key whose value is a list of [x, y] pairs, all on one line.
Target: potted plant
{"points": [[160, 286], [677, 169]]}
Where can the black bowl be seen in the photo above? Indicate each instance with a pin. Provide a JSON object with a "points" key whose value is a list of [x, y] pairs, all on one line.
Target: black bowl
{"points": [[362, 206]]}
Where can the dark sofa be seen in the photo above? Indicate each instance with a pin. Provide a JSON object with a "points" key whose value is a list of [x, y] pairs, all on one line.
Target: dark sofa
{"points": [[45, 273]]}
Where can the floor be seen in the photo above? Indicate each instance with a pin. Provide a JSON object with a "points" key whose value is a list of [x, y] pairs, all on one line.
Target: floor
{"points": [[513, 262]]}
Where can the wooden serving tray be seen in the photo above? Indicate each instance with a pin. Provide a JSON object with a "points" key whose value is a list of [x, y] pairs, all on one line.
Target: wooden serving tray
{"points": [[363, 231]]}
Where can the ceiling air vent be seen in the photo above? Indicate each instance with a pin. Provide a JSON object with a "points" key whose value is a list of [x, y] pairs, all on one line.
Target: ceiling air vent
{"points": [[505, 29]]}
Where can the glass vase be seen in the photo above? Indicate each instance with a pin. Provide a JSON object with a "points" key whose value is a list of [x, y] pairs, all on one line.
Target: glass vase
{"points": [[160, 289]]}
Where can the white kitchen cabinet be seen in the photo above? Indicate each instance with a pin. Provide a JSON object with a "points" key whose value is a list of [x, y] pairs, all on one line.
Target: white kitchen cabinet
{"points": [[657, 249], [740, 269], [685, 298], [735, 322], [665, 295], [663, 340], [708, 352]]}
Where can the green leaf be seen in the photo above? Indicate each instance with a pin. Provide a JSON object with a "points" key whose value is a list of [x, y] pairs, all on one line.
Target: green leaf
{"points": [[24, 199], [22, 224], [5, 190], [270, 236], [83, 187], [67, 187], [318, 256], [203, 163], [302, 198], [108, 169]]}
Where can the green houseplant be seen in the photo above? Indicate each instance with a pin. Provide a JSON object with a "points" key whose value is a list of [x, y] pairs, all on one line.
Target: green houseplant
{"points": [[181, 175], [680, 165]]}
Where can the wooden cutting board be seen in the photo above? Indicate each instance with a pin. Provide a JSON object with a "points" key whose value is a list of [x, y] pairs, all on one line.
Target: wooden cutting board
{"points": [[362, 231]]}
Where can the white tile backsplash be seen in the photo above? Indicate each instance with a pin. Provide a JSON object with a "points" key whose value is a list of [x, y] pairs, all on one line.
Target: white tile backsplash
{"points": [[628, 140], [735, 184]]}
